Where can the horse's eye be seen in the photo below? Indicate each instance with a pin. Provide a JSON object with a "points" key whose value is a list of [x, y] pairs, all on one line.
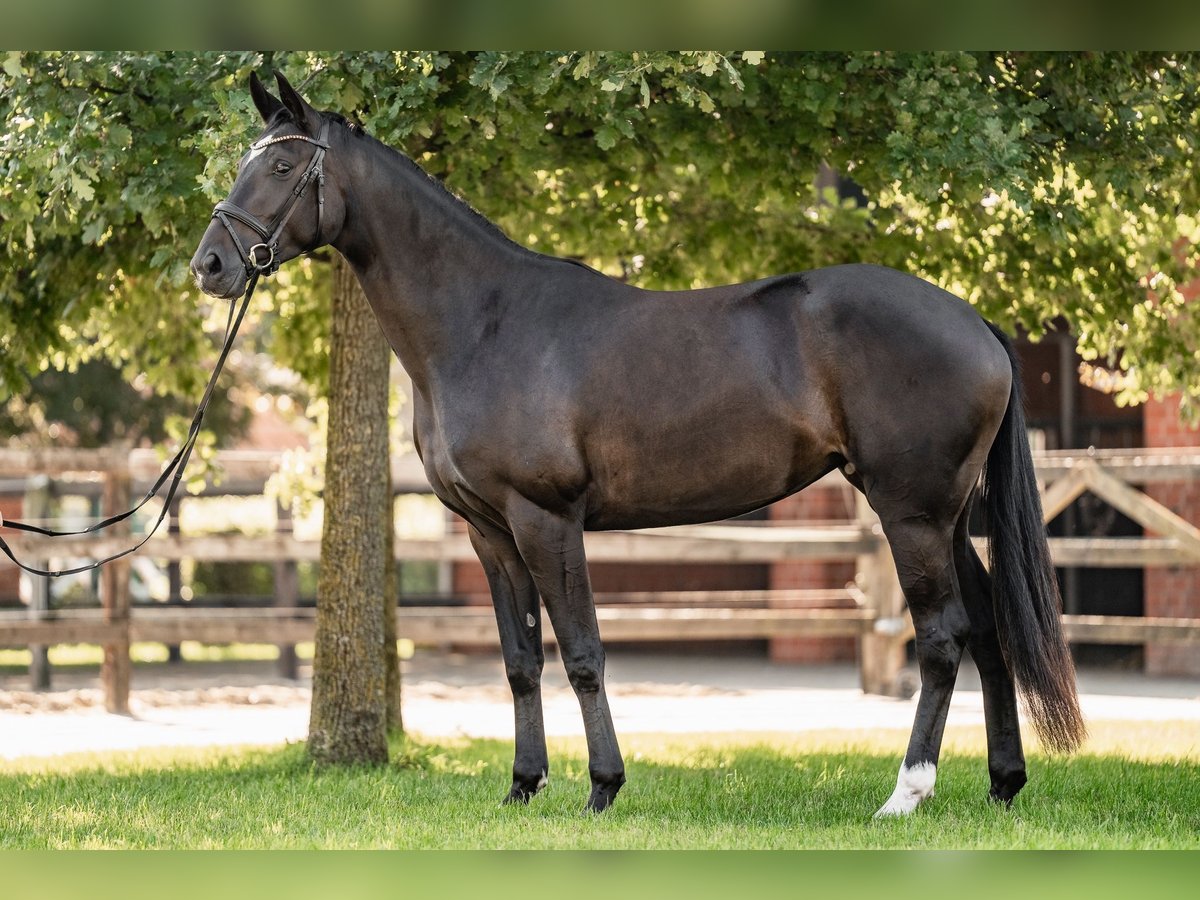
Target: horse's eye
{"points": [[282, 168]]}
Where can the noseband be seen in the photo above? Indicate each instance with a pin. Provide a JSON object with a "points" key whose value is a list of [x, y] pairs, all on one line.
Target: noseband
{"points": [[252, 258]]}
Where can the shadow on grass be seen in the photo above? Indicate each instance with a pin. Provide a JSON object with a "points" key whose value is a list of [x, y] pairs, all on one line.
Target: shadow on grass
{"points": [[684, 795]]}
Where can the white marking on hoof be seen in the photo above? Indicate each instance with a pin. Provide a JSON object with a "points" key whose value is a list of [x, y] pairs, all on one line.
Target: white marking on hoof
{"points": [[542, 781], [912, 786], [529, 620]]}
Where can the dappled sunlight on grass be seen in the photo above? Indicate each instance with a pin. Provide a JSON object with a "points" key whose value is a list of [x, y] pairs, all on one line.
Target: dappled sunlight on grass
{"points": [[809, 790]]}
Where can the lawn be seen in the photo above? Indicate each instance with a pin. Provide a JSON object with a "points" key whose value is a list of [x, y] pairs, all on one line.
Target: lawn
{"points": [[1137, 786]]}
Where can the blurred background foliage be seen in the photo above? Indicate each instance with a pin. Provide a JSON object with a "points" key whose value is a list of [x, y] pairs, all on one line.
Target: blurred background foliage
{"points": [[1038, 185]]}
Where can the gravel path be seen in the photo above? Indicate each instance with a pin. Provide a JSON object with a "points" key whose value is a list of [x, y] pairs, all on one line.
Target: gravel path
{"points": [[447, 695]]}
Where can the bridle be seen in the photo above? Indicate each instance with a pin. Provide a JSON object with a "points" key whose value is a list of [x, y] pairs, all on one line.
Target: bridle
{"points": [[224, 211], [255, 267]]}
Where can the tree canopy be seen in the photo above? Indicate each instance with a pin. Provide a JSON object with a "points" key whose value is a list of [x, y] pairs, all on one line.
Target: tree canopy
{"points": [[1036, 185]]}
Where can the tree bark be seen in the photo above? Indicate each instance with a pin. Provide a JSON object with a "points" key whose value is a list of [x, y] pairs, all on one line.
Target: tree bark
{"points": [[349, 718]]}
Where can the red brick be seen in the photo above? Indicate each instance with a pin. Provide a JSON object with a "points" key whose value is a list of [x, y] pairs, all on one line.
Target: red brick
{"points": [[1172, 591], [814, 504]]}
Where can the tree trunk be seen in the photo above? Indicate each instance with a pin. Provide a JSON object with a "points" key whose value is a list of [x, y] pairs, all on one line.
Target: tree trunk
{"points": [[349, 716]]}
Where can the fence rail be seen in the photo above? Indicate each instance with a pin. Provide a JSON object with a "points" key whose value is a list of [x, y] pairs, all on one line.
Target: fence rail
{"points": [[876, 616]]}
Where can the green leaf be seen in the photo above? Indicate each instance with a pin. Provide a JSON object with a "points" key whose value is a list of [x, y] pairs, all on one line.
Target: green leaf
{"points": [[94, 230], [606, 137], [12, 64], [583, 68], [82, 188]]}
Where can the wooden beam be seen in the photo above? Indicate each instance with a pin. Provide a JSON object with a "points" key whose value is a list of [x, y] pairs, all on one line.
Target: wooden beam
{"points": [[1131, 630], [1139, 466], [117, 668], [881, 652], [807, 598], [440, 625], [1116, 553], [476, 625], [1108, 553], [1144, 510], [705, 543], [36, 507], [17, 631], [60, 460], [641, 624], [1062, 493], [1142, 466], [241, 468]]}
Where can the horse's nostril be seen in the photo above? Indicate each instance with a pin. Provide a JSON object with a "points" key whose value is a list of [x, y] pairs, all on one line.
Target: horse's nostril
{"points": [[212, 264]]}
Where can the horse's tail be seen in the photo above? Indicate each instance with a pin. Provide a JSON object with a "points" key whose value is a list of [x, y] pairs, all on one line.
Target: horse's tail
{"points": [[1024, 587]]}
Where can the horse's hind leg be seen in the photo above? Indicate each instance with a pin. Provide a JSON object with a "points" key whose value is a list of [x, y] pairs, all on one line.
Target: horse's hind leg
{"points": [[1006, 761], [924, 562], [519, 620]]}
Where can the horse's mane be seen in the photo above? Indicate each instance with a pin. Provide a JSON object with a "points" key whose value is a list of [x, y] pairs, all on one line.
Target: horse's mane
{"points": [[357, 131]]}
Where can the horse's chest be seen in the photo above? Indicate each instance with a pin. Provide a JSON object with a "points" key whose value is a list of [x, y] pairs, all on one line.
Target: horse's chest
{"points": [[474, 464], [457, 461], [447, 461]]}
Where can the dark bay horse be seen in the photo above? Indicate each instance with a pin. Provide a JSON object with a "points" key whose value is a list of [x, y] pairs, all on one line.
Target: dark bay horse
{"points": [[550, 400]]}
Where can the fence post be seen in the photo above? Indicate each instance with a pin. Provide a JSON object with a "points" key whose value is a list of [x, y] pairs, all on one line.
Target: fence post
{"points": [[114, 601], [287, 592], [881, 655], [174, 578], [37, 506]]}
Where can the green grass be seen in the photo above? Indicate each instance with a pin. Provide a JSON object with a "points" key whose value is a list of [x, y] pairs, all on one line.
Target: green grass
{"points": [[683, 792]]}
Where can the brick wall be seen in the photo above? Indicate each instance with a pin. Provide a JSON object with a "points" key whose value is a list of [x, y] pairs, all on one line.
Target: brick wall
{"points": [[817, 503], [1174, 590], [10, 576]]}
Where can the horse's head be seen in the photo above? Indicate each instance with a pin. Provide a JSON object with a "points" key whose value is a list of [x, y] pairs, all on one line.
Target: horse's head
{"points": [[277, 208]]}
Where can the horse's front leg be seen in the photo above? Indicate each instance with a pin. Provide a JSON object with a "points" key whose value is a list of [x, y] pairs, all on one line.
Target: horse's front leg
{"points": [[519, 620], [552, 547]]}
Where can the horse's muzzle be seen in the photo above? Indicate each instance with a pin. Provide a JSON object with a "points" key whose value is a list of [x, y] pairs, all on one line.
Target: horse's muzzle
{"points": [[216, 275]]}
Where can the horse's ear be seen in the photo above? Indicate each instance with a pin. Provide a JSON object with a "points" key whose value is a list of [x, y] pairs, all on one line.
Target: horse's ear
{"points": [[303, 114], [266, 103]]}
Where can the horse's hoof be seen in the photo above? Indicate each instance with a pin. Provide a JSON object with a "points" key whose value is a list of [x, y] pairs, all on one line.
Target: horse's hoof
{"points": [[913, 786], [1006, 785], [602, 796], [524, 788], [1006, 789], [598, 802], [516, 796]]}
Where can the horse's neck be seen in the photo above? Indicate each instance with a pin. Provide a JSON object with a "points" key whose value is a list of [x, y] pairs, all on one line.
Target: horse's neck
{"points": [[424, 260]]}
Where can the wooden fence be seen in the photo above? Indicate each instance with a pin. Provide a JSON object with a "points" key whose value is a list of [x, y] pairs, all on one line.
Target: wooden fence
{"points": [[877, 616]]}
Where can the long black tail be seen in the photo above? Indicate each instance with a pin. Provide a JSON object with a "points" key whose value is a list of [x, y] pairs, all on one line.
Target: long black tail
{"points": [[1024, 587]]}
